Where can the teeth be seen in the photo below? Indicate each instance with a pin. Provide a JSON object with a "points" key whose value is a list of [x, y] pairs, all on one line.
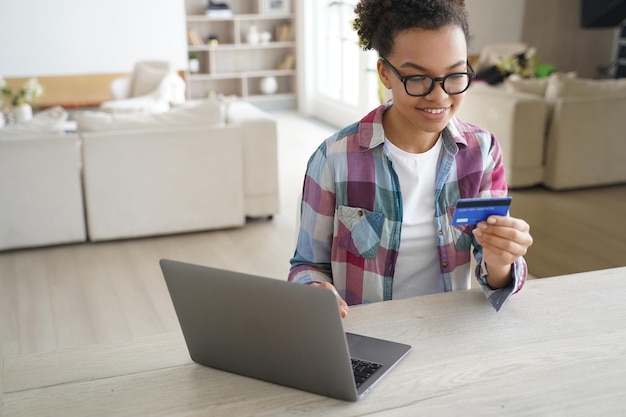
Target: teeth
{"points": [[434, 111]]}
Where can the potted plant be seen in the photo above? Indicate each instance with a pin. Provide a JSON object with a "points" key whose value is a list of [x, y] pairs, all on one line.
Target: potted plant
{"points": [[194, 63], [5, 95], [20, 102]]}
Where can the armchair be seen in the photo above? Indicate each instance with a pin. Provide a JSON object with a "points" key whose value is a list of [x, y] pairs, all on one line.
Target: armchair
{"points": [[151, 88], [561, 131], [585, 144]]}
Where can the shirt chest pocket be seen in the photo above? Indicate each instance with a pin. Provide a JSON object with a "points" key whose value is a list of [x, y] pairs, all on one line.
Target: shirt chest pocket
{"points": [[359, 230]]}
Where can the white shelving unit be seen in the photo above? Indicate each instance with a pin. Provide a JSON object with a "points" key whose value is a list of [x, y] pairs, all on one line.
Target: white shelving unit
{"points": [[232, 66]]}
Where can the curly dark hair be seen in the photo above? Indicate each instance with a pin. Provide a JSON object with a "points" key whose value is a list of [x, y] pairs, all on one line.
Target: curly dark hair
{"points": [[379, 21]]}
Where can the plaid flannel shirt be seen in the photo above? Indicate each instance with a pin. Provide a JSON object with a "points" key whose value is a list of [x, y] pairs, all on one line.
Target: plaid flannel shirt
{"points": [[351, 211]]}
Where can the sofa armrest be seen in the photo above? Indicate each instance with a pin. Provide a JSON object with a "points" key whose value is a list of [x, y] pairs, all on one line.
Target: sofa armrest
{"points": [[41, 200], [585, 143], [518, 121], [260, 156]]}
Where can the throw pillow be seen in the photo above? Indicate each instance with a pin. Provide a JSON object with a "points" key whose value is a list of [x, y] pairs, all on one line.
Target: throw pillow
{"points": [[146, 79]]}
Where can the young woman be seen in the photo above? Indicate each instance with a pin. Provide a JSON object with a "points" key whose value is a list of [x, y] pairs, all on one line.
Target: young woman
{"points": [[379, 195]]}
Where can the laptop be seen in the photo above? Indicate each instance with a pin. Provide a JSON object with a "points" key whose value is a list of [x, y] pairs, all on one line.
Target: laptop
{"points": [[277, 331]]}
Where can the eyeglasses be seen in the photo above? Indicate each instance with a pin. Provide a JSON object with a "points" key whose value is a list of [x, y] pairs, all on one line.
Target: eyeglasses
{"points": [[422, 85]]}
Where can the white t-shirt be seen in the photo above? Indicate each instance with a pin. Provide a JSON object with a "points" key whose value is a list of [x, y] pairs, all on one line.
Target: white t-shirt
{"points": [[417, 268]]}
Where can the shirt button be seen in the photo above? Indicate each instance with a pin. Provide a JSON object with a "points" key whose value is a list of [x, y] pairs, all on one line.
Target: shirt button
{"points": [[444, 265], [440, 233], [359, 213]]}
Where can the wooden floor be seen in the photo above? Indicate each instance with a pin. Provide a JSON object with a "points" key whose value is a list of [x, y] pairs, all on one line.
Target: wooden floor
{"points": [[574, 231], [74, 295]]}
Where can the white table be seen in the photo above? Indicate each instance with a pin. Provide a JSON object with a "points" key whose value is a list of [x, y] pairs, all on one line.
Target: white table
{"points": [[556, 348]]}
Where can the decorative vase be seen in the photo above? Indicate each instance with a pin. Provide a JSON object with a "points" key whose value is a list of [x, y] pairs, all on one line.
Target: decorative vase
{"points": [[253, 35], [269, 85], [23, 113], [265, 37]]}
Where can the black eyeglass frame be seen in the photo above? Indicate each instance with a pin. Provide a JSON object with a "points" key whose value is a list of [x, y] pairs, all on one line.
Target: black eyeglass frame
{"points": [[404, 78]]}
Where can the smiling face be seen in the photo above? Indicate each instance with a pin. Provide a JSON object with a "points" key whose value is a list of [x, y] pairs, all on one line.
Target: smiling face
{"points": [[414, 123]]}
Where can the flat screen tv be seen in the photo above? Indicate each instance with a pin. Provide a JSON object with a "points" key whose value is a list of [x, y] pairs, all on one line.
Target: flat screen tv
{"points": [[602, 13]]}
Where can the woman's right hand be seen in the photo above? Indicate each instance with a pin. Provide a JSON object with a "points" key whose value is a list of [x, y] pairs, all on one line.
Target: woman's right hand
{"points": [[343, 306]]}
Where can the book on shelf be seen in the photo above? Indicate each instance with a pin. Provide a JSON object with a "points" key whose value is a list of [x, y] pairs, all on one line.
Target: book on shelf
{"points": [[288, 62], [194, 37], [284, 32], [219, 13], [218, 9]]}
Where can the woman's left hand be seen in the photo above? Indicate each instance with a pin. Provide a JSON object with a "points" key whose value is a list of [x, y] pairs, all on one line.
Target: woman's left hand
{"points": [[503, 238]]}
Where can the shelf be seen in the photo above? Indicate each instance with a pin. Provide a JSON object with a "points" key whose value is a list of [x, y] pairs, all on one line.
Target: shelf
{"points": [[241, 46], [241, 17], [234, 66], [272, 97], [247, 74]]}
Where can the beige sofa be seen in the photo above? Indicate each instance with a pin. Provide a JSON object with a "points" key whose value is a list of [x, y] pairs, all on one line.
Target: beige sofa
{"points": [[196, 167], [561, 131]]}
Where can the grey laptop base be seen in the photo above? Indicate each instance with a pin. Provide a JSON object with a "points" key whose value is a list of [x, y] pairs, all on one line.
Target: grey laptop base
{"points": [[273, 330]]}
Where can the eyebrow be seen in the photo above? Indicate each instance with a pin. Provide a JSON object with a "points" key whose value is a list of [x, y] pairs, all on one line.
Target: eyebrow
{"points": [[420, 68]]}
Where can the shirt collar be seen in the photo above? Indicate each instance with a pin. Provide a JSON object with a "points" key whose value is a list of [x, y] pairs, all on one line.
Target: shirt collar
{"points": [[373, 135]]}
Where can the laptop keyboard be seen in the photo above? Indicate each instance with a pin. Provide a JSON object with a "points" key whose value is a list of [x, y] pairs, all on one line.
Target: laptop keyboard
{"points": [[363, 370]]}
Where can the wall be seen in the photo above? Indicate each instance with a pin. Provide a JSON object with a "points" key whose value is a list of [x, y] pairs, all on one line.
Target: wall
{"points": [[553, 27], [494, 21], [63, 37], [76, 47]]}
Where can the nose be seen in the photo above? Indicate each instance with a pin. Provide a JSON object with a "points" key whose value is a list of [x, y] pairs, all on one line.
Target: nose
{"points": [[437, 92]]}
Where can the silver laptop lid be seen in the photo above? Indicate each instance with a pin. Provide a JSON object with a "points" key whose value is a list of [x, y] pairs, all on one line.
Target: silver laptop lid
{"points": [[277, 331], [274, 330]]}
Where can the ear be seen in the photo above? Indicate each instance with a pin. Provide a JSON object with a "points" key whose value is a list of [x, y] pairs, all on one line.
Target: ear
{"points": [[383, 74]]}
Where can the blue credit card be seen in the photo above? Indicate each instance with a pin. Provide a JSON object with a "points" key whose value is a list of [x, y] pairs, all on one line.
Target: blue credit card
{"points": [[473, 210]]}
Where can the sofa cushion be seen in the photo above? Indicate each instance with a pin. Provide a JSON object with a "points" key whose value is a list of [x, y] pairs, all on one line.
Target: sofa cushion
{"points": [[136, 105], [204, 113], [560, 86]]}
